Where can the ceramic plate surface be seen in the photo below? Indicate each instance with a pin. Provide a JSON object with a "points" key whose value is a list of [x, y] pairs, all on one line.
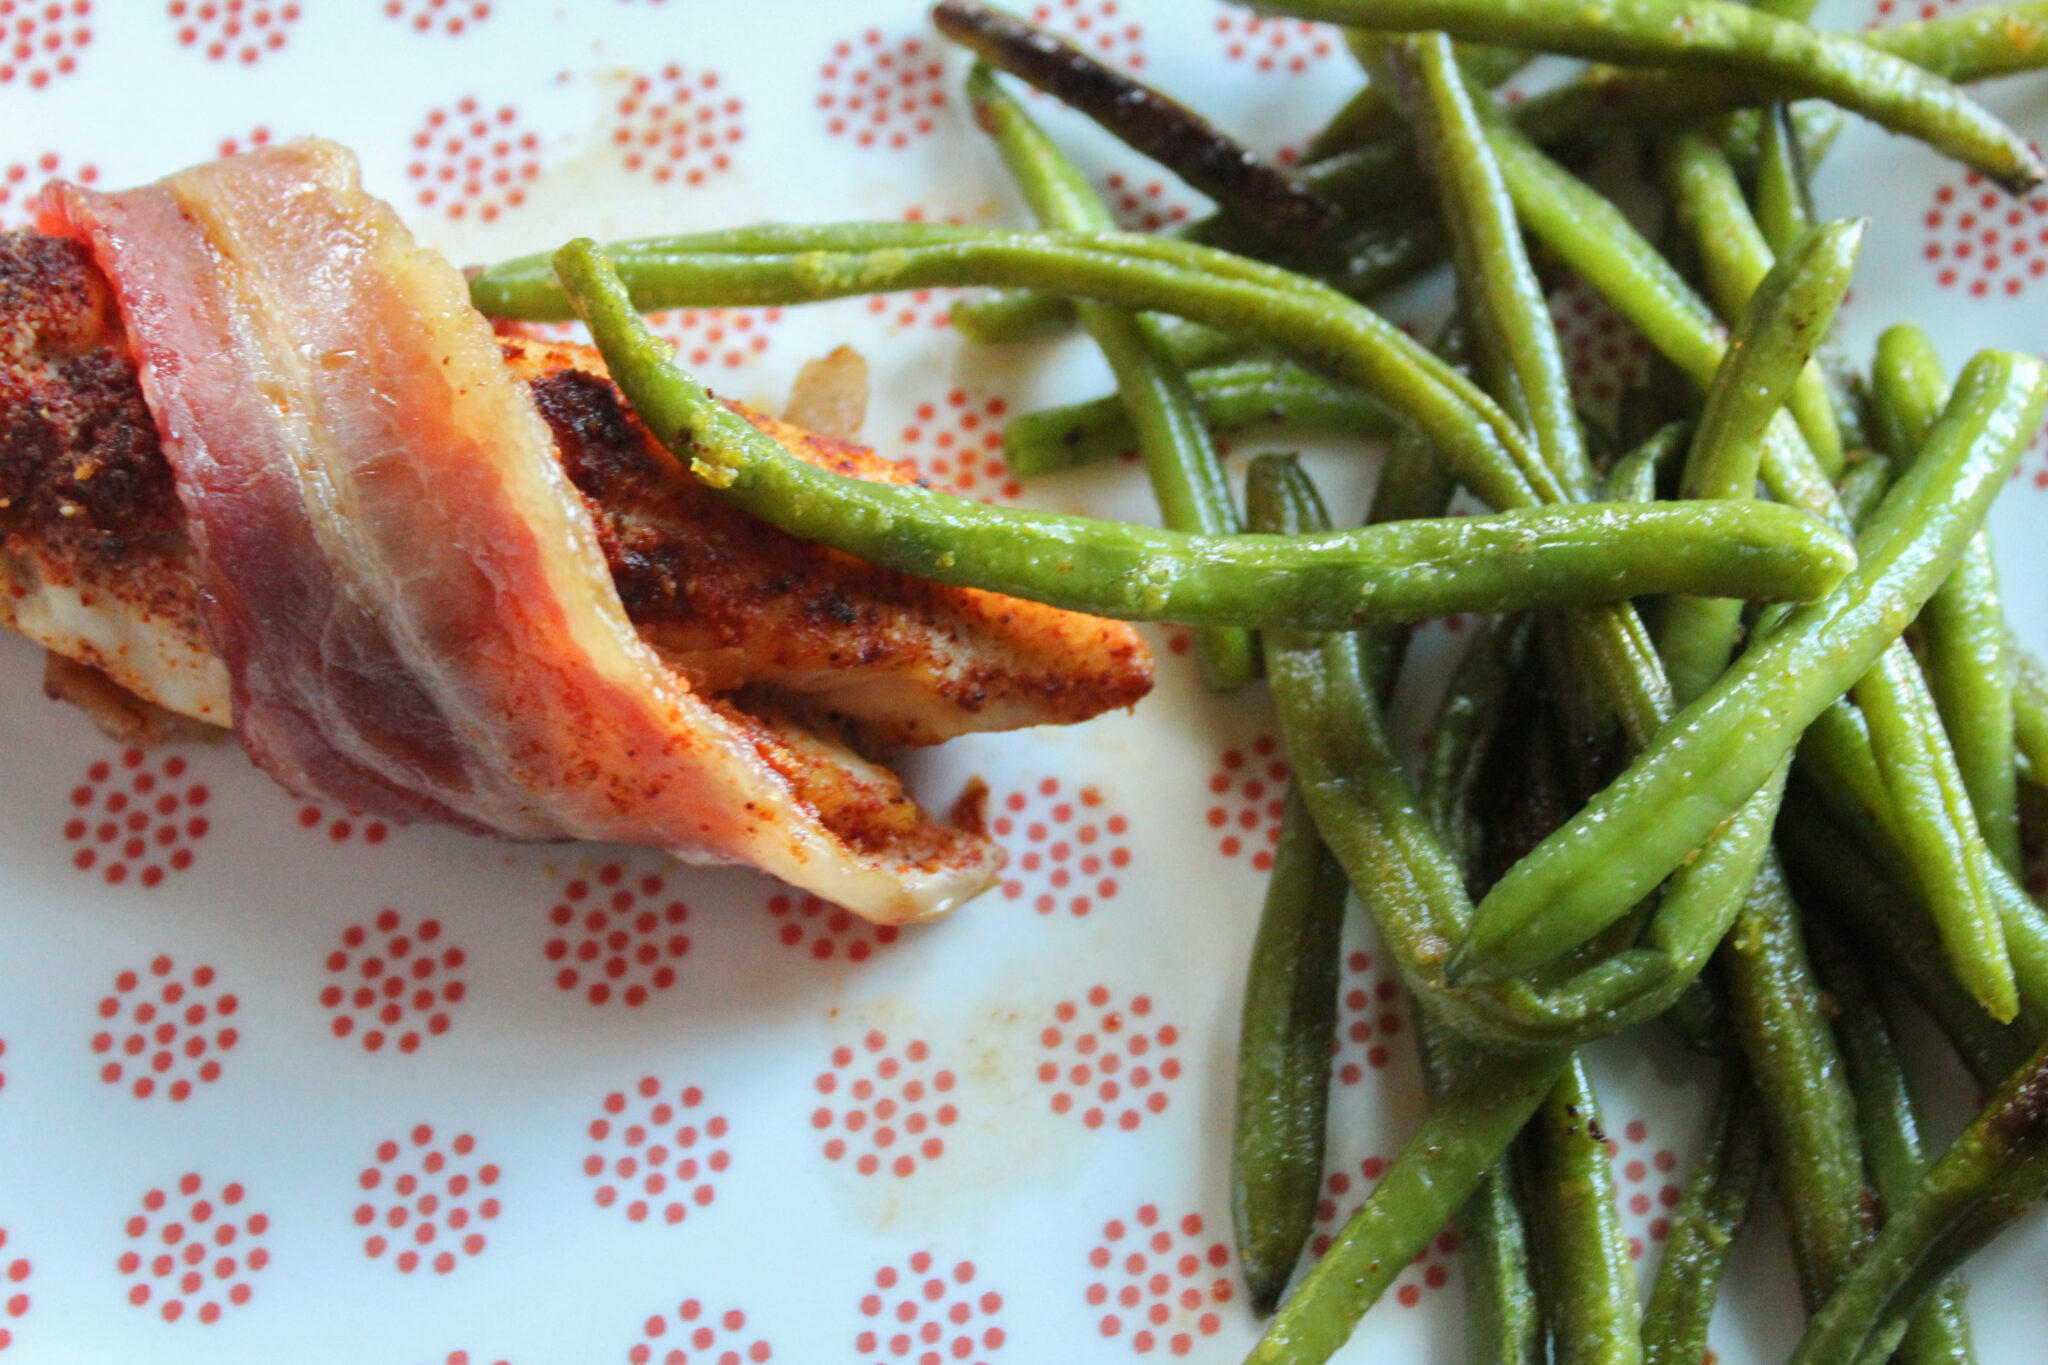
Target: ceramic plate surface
{"points": [[284, 1083]]}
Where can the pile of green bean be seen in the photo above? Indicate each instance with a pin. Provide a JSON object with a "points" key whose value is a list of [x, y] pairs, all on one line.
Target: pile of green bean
{"points": [[1650, 796]]}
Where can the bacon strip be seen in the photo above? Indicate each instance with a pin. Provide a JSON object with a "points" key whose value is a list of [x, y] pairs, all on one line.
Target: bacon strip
{"points": [[408, 595]]}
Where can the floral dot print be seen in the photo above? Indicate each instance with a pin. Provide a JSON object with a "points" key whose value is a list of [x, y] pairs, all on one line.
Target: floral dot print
{"points": [[393, 983], [1604, 354], [258, 136], [1885, 12], [240, 31], [1369, 1019], [343, 826], [679, 125], [1142, 203], [956, 443], [717, 336], [879, 91], [1247, 795], [1067, 849], [16, 1303], [826, 931], [915, 309], [617, 936], [885, 1107], [164, 1032], [1268, 44], [1983, 241], [1159, 1284], [41, 40], [1646, 1184], [1109, 1063], [1098, 27], [922, 1312], [656, 1154], [424, 1203], [693, 1335], [470, 159], [22, 180], [1343, 1192], [192, 1248], [136, 820], [446, 18]]}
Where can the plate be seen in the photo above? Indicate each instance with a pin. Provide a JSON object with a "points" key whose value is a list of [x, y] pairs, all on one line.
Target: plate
{"points": [[282, 1082]]}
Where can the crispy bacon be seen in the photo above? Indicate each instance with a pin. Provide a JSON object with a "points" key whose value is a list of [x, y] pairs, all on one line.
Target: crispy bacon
{"points": [[418, 611]]}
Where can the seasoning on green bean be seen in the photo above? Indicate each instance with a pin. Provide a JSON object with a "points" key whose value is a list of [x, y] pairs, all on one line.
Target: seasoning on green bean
{"points": [[1704, 1226], [1180, 457], [1721, 35], [1772, 345], [1586, 1278], [1987, 1178], [1965, 650], [1149, 122], [1892, 1149], [1720, 749], [1283, 1058], [1229, 397]]}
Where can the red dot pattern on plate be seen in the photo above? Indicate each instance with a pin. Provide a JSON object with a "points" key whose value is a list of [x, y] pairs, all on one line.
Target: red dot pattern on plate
{"points": [[1065, 850], [1142, 203], [885, 1107], [1343, 1192], [723, 336], [259, 136], [657, 1155], [244, 31], [192, 1249], [1108, 1063], [617, 936], [425, 1203], [1982, 240], [1646, 1183], [341, 827], [914, 308], [469, 159], [1269, 44], [397, 983], [464, 1358], [956, 443], [1603, 352], [881, 91], [17, 1271], [41, 39], [1098, 27], [923, 1312], [1158, 1282], [1885, 12], [693, 1333], [826, 931], [136, 819], [1247, 794], [1369, 1017], [451, 18], [679, 124], [21, 181], [162, 1032]]}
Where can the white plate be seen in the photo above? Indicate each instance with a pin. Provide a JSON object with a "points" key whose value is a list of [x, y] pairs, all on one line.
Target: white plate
{"points": [[472, 1175]]}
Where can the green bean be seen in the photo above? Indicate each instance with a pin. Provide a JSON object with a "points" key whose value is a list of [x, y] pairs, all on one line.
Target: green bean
{"points": [[1633, 477], [1346, 773], [1863, 488], [1985, 1180], [1784, 200], [1773, 342], [1230, 397], [1369, 116], [1892, 1147], [1319, 326], [1179, 456], [1717, 35], [1470, 714], [1705, 1224], [1283, 1058], [1408, 571], [1588, 1284], [1147, 121], [1734, 258], [2030, 711], [1965, 651], [1778, 1017], [1719, 750]]}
